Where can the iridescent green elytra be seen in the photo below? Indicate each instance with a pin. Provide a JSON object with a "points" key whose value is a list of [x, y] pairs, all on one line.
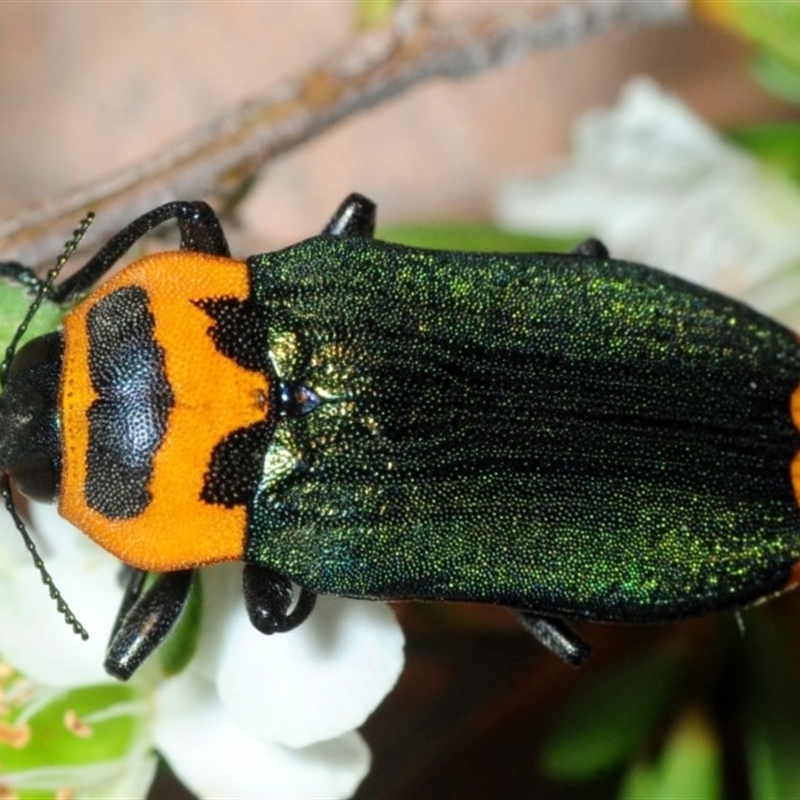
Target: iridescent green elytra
{"points": [[566, 435]]}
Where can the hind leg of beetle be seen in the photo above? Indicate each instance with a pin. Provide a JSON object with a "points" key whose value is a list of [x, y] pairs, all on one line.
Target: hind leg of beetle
{"points": [[354, 217], [273, 604], [590, 247], [145, 619], [556, 636]]}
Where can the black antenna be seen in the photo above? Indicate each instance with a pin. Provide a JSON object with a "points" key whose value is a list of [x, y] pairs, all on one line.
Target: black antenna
{"points": [[44, 288], [5, 483], [61, 604]]}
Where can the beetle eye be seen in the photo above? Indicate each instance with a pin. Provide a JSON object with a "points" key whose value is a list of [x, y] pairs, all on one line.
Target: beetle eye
{"points": [[44, 350], [35, 476], [30, 446]]}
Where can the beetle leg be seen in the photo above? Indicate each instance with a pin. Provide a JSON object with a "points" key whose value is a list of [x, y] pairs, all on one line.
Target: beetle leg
{"points": [[19, 273], [200, 232], [268, 597], [145, 619], [556, 636], [354, 217], [590, 247], [133, 579]]}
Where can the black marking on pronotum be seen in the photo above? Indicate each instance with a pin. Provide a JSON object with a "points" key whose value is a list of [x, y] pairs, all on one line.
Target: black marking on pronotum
{"points": [[240, 330], [128, 421], [237, 466]]}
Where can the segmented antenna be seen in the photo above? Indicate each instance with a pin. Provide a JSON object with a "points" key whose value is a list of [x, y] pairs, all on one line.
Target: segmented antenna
{"points": [[47, 580], [44, 288], [5, 483]]}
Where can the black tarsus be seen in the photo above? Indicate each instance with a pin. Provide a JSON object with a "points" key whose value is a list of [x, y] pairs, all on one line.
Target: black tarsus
{"points": [[590, 247], [556, 636], [354, 217], [268, 598], [145, 619]]}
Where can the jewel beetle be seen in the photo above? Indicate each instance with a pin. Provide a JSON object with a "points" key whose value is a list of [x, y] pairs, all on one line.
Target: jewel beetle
{"points": [[570, 436]]}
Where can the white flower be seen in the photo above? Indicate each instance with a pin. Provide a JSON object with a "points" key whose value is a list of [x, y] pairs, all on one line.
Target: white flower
{"points": [[252, 716], [659, 186]]}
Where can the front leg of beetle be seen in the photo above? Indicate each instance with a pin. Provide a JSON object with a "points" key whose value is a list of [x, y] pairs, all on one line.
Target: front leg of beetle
{"points": [[200, 232], [268, 598], [144, 620], [20, 274]]}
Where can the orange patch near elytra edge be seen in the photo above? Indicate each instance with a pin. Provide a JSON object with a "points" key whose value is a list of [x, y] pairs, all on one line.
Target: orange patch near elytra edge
{"points": [[214, 396], [794, 469], [794, 576]]}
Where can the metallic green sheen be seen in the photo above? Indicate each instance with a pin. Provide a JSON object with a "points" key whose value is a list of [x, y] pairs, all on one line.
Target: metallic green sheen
{"points": [[570, 435]]}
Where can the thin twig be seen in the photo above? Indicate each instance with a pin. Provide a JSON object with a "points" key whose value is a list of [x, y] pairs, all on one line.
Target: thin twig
{"points": [[371, 68]]}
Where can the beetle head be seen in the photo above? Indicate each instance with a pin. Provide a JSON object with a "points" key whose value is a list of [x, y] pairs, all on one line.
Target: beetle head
{"points": [[29, 436]]}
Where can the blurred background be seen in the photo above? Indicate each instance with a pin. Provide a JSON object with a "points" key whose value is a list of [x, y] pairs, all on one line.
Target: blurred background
{"points": [[88, 88]]}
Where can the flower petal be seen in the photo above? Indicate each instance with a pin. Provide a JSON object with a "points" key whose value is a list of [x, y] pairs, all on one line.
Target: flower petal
{"points": [[660, 186], [310, 684], [215, 758], [33, 632]]}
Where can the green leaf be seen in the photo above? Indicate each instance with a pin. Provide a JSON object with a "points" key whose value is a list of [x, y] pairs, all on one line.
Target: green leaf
{"points": [[610, 717], [181, 644], [14, 303], [777, 143], [688, 766], [68, 729], [773, 732], [775, 26], [777, 76], [475, 237]]}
